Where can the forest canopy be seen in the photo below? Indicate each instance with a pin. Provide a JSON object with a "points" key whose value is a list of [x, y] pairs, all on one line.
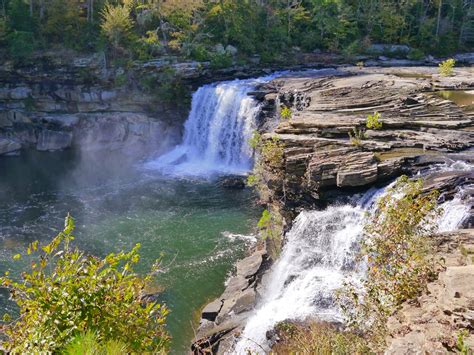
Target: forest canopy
{"points": [[213, 29]]}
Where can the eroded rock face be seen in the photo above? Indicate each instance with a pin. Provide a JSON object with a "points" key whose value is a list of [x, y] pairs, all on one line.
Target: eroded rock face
{"points": [[226, 315], [54, 116], [319, 155]]}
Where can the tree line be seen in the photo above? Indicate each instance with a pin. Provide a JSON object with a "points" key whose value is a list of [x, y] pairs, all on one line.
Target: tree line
{"points": [[146, 29]]}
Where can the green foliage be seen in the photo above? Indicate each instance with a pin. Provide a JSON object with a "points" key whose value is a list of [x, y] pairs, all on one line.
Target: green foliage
{"points": [[268, 164], [317, 338], [446, 68], [221, 61], [65, 24], [270, 228], [255, 140], [416, 54], [357, 136], [272, 152], [20, 45], [461, 345], [29, 103], [286, 113], [117, 24], [68, 293], [399, 259], [120, 80], [89, 344], [373, 121], [19, 18]]}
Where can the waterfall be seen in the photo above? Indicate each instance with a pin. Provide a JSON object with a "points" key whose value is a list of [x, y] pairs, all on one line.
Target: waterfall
{"points": [[216, 133], [319, 255]]}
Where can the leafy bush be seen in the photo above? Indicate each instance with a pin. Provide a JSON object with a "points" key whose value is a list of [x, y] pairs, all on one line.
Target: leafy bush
{"points": [[398, 252], [286, 113], [373, 121], [446, 68], [317, 338], [221, 61], [68, 293]]}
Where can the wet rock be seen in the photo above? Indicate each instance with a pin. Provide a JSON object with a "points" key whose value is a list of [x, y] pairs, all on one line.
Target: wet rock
{"points": [[233, 182], [8, 146], [227, 314], [53, 140], [211, 311]]}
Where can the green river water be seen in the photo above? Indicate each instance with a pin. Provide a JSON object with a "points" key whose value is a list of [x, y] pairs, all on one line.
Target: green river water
{"points": [[199, 226]]}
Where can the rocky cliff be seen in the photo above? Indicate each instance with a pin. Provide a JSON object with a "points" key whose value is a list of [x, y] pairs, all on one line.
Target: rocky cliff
{"points": [[420, 128], [57, 105]]}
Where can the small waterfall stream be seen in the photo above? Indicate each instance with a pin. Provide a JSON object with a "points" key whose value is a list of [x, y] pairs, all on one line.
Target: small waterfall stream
{"points": [[216, 133], [318, 257]]}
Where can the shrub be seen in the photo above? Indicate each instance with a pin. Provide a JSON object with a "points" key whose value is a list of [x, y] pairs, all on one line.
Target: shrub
{"points": [[67, 293], [221, 61], [270, 228], [317, 338], [416, 54], [398, 255], [20, 45], [286, 113], [446, 68], [373, 121], [357, 136], [268, 163]]}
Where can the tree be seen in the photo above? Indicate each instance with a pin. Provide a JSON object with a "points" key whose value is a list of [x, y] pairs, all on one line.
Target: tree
{"points": [[116, 24], [68, 293]]}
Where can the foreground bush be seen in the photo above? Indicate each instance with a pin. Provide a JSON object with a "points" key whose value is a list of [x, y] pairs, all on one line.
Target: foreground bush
{"points": [[68, 293], [317, 338]]}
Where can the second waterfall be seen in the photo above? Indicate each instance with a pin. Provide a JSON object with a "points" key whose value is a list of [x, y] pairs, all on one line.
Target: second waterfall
{"points": [[216, 132]]}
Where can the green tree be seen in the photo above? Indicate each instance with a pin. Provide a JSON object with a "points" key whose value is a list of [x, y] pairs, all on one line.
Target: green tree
{"points": [[67, 293], [116, 24]]}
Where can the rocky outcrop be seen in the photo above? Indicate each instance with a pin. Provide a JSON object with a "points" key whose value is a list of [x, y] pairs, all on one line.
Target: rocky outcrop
{"points": [[434, 323], [319, 155], [47, 112], [224, 317]]}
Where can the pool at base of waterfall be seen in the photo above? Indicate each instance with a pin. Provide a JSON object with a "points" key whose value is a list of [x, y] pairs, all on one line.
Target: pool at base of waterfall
{"points": [[201, 228]]}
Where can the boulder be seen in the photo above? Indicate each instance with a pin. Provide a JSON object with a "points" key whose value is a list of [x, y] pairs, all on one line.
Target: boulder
{"points": [[219, 49], [231, 50], [236, 182]]}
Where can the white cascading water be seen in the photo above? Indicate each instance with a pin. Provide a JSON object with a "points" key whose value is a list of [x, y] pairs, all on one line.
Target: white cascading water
{"points": [[318, 257], [216, 133]]}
